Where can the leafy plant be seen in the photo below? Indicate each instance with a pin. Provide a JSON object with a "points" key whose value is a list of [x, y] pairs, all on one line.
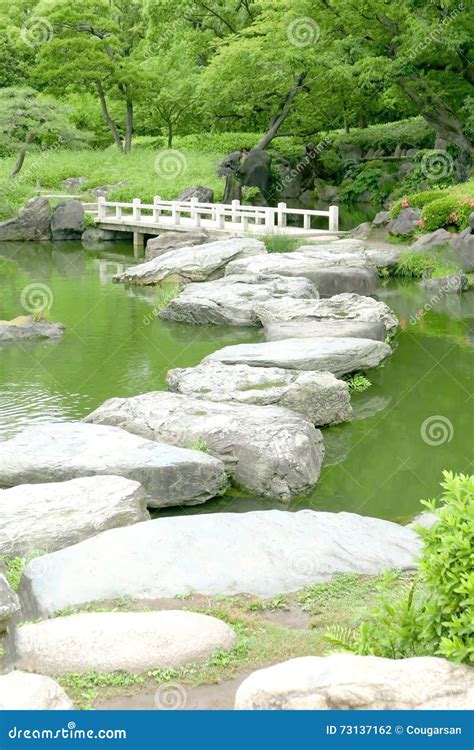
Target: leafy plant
{"points": [[433, 615], [417, 200], [14, 567], [358, 382], [414, 265], [448, 212]]}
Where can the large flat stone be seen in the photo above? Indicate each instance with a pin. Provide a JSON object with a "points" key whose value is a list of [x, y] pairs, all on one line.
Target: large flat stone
{"points": [[56, 452], [336, 355], [360, 277], [342, 307], [318, 396], [266, 449], [232, 300], [46, 517], [260, 552], [329, 328], [26, 327], [21, 691], [358, 683], [382, 257], [197, 263], [168, 241], [135, 642]]}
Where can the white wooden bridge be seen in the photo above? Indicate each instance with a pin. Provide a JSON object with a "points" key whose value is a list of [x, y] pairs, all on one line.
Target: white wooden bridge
{"points": [[234, 218]]}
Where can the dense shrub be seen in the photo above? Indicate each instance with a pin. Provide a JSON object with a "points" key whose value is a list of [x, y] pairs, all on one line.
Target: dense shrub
{"points": [[410, 133], [417, 200], [448, 212], [223, 143], [434, 614], [414, 265]]}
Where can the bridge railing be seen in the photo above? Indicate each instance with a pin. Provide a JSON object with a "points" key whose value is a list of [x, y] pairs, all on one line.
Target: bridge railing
{"points": [[217, 216]]}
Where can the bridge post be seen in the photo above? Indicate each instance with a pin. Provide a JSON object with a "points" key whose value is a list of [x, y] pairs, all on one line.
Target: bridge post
{"points": [[270, 220], [138, 245], [194, 213], [306, 221], [136, 210], [235, 210], [156, 210], [333, 218], [175, 215], [281, 215], [100, 208], [219, 217]]}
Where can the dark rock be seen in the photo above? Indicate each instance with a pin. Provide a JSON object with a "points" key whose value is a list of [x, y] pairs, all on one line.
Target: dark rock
{"points": [[446, 284], [73, 184], [326, 193], [203, 194], [31, 222], [433, 239], [463, 246], [404, 169], [173, 241], [382, 218], [405, 223], [103, 190], [350, 151], [26, 327], [67, 221], [361, 230], [95, 236], [366, 197]]}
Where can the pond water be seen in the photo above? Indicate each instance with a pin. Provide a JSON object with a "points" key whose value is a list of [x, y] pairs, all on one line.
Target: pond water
{"points": [[381, 464]]}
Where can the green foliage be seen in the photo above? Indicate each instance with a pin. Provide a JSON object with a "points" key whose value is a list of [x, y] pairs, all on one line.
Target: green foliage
{"points": [[200, 445], [89, 220], [434, 615], [85, 688], [280, 243], [409, 133], [417, 200], [358, 382], [14, 567], [447, 213], [414, 265]]}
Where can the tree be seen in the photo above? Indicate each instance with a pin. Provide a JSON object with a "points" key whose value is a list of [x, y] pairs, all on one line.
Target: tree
{"points": [[27, 118]]}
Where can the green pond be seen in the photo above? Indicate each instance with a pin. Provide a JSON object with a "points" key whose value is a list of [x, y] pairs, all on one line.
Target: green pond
{"points": [[415, 420]]}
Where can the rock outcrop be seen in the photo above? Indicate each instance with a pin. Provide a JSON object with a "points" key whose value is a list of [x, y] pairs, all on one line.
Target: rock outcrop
{"points": [[31, 222], [67, 221], [28, 327], [21, 691], [168, 241]]}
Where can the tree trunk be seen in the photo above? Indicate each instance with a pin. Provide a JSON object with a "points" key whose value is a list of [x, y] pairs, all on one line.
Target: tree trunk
{"points": [[347, 129], [107, 117], [22, 154], [444, 121], [128, 124], [279, 119], [170, 134]]}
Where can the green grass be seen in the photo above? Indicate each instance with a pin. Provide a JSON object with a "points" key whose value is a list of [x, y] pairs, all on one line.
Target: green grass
{"points": [[43, 171], [14, 567]]}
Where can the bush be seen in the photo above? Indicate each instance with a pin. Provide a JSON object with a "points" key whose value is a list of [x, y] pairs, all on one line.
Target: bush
{"points": [[448, 212], [410, 133], [433, 616], [414, 265], [417, 200]]}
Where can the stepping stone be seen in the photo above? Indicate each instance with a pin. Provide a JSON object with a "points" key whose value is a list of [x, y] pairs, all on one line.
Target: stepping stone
{"points": [[9, 604], [197, 263], [264, 553], [378, 257], [266, 449], [357, 276], [319, 397], [38, 518], [26, 327], [359, 683], [232, 300], [337, 355], [21, 691], [134, 642], [60, 451], [345, 315]]}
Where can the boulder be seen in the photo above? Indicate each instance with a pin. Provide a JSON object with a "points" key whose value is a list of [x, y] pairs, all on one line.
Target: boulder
{"points": [[425, 520], [196, 263], [362, 230], [342, 307], [318, 396], [9, 604], [96, 236], [463, 245], [353, 255], [167, 241], [347, 682], [433, 239], [60, 451], [329, 279], [105, 642], [381, 218], [232, 300], [445, 284], [67, 221], [102, 191], [31, 222], [328, 328], [73, 184], [266, 449], [20, 691], [203, 194], [405, 223], [46, 517], [263, 553], [27, 327], [336, 355]]}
